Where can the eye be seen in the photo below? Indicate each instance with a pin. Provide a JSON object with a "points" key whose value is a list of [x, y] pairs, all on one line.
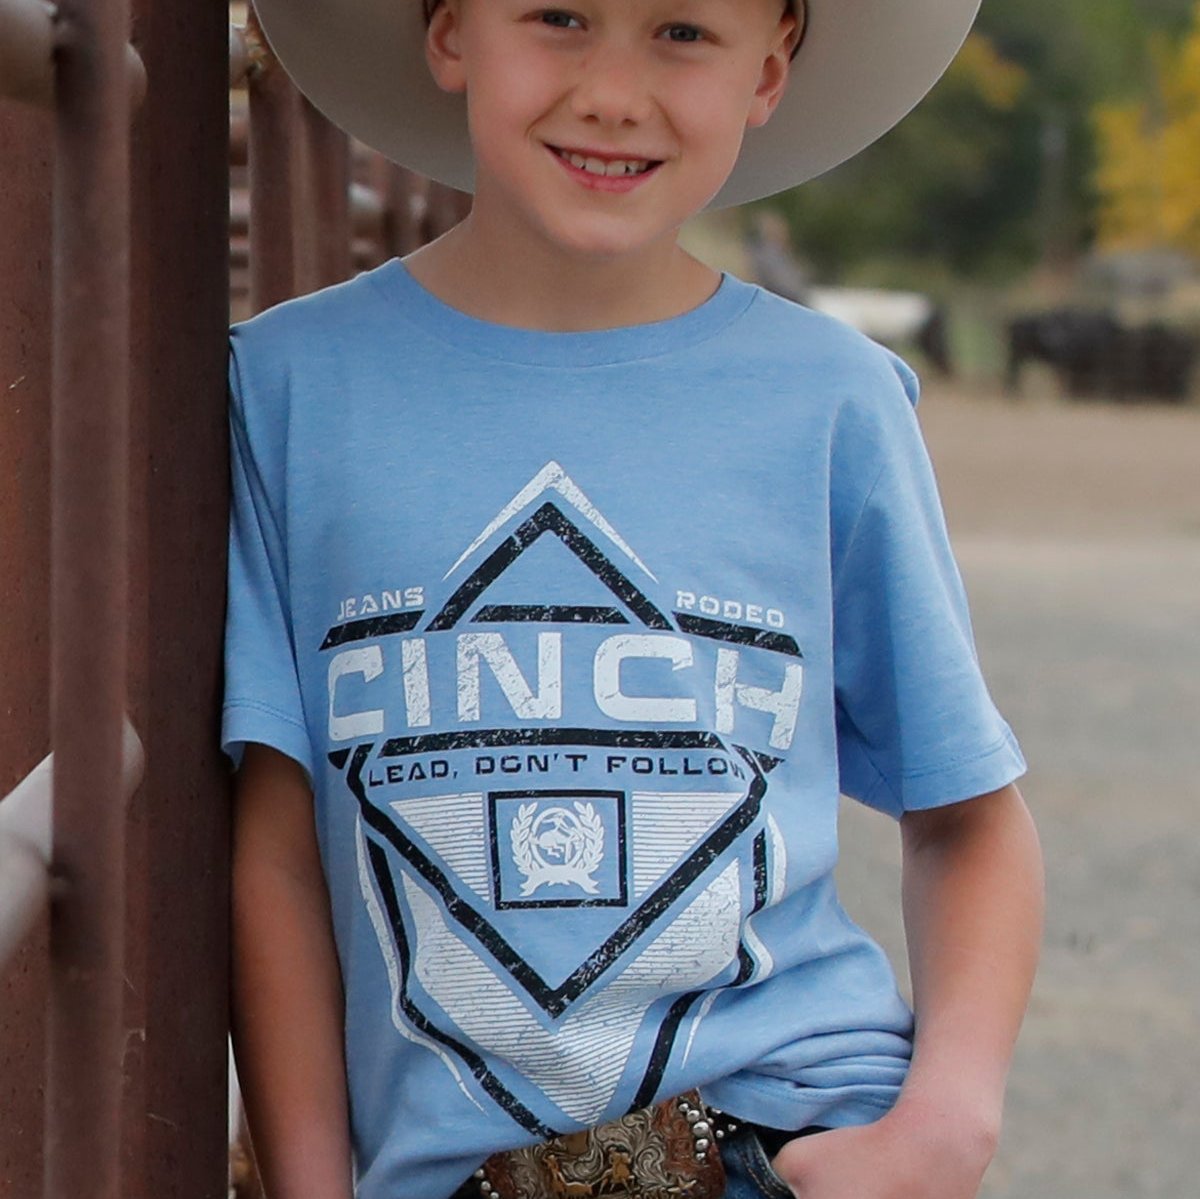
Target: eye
{"points": [[557, 19], [683, 34]]}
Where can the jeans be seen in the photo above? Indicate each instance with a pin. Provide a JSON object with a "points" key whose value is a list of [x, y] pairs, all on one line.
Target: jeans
{"points": [[748, 1169]]}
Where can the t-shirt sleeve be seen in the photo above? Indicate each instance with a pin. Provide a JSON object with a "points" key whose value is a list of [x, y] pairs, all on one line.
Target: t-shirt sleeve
{"points": [[262, 691], [916, 727]]}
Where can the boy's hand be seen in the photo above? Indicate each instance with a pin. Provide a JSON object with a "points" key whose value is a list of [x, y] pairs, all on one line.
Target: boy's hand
{"points": [[893, 1158], [972, 912]]}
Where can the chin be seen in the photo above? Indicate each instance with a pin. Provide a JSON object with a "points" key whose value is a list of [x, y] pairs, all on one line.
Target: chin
{"points": [[600, 244]]}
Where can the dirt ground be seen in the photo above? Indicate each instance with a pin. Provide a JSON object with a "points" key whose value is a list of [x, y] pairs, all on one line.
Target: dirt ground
{"points": [[1077, 527]]}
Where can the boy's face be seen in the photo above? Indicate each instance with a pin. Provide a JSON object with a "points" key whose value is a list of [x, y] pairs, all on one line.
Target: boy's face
{"points": [[601, 127]]}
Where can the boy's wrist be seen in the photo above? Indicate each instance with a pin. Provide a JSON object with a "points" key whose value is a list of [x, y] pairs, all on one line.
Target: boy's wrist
{"points": [[965, 1127]]}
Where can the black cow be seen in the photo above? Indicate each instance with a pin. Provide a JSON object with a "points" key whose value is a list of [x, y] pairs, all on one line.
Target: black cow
{"points": [[1095, 355], [1077, 343], [1156, 361]]}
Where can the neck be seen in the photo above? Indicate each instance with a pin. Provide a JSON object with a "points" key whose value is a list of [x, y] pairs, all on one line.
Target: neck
{"points": [[490, 273]]}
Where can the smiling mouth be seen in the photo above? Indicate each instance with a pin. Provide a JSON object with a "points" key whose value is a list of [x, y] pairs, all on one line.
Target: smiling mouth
{"points": [[607, 167]]}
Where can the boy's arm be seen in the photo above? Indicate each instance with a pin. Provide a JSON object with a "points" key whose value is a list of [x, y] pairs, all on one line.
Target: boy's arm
{"points": [[287, 987], [973, 899], [973, 894]]}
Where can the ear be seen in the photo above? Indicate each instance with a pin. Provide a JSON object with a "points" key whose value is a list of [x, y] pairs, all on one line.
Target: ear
{"points": [[443, 47], [774, 75]]}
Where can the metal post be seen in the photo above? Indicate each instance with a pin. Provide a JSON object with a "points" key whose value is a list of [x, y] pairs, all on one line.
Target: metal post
{"points": [[88, 599], [326, 215], [274, 172], [26, 150], [173, 1142], [177, 1001]]}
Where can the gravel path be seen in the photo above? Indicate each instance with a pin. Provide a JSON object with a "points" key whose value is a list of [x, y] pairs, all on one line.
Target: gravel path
{"points": [[1078, 531]]}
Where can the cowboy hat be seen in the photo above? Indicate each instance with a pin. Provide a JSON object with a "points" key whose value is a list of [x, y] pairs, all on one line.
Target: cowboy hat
{"points": [[861, 67]]}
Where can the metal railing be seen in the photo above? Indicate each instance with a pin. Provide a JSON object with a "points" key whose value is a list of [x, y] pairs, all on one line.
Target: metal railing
{"points": [[349, 207], [26, 842], [114, 1004], [76, 57], [25, 849], [30, 33], [89, 1018]]}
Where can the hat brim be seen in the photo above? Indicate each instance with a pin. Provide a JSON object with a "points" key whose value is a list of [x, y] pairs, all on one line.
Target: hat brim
{"points": [[863, 65]]}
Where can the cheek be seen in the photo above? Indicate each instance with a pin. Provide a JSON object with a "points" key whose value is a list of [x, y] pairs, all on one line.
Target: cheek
{"points": [[716, 101], [712, 121], [509, 105]]}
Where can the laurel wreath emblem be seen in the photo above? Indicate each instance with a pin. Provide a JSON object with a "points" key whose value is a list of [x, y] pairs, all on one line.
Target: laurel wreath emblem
{"points": [[593, 837], [521, 834], [577, 871]]}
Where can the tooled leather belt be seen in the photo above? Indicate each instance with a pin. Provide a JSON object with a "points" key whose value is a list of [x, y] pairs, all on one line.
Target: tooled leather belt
{"points": [[669, 1149]]}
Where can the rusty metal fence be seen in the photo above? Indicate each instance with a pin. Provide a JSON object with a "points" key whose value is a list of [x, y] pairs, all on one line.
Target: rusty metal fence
{"points": [[158, 174], [350, 209]]}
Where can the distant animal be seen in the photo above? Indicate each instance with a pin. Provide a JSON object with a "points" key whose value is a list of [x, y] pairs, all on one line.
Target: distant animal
{"points": [[1078, 343], [1095, 355], [1158, 361], [895, 318]]}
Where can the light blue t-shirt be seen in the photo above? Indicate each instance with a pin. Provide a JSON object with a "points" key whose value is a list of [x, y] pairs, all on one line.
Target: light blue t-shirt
{"points": [[578, 636]]}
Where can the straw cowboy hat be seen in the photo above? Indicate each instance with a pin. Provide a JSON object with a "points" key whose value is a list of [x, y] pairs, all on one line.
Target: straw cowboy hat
{"points": [[861, 67]]}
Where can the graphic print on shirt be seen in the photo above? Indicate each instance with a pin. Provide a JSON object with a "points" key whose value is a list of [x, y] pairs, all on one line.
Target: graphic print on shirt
{"points": [[561, 876]]}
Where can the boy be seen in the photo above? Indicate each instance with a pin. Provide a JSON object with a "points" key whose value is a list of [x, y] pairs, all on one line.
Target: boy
{"points": [[569, 583]]}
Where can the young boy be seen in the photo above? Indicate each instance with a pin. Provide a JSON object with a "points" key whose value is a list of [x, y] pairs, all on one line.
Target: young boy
{"points": [[569, 585]]}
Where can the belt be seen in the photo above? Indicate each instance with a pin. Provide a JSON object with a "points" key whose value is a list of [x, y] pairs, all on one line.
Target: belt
{"points": [[671, 1148]]}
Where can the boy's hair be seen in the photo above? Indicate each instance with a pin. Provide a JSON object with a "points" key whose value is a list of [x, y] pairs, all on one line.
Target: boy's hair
{"points": [[797, 7]]}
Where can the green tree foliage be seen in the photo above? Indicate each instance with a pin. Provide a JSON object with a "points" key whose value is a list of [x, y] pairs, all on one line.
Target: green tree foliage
{"points": [[996, 166], [1149, 170], [929, 186]]}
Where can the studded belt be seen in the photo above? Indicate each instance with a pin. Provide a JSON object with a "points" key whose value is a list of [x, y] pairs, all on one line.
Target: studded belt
{"points": [[658, 1152]]}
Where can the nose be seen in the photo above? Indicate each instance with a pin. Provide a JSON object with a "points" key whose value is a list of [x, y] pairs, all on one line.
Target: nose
{"points": [[612, 87]]}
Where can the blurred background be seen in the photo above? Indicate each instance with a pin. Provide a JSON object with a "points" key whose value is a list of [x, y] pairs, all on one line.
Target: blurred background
{"points": [[1054, 172], [1030, 240]]}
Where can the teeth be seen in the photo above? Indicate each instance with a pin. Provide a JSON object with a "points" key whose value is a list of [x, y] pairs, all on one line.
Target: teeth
{"points": [[597, 166]]}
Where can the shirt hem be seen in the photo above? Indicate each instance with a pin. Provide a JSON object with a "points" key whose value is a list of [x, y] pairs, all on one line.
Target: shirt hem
{"points": [[961, 779], [247, 720], [796, 1108]]}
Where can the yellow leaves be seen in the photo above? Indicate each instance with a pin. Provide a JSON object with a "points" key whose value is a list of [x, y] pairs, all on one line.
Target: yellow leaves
{"points": [[1149, 158], [981, 68]]}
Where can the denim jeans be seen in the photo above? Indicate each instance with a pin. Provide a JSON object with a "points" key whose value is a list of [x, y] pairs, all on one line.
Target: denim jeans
{"points": [[748, 1169]]}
